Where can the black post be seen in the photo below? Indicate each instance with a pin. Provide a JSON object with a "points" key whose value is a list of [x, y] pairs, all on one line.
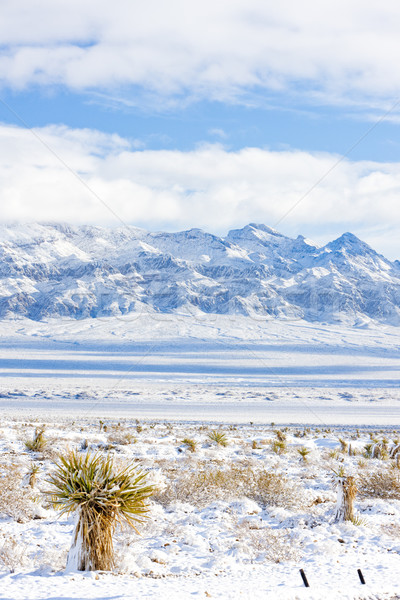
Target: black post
{"points": [[361, 576], [304, 578]]}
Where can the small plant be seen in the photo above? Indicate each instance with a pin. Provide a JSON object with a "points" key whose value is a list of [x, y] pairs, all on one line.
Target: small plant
{"points": [[255, 446], [38, 443], [31, 476], [304, 452], [191, 444], [343, 445], [280, 435], [279, 447], [218, 437], [102, 498], [368, 450]]}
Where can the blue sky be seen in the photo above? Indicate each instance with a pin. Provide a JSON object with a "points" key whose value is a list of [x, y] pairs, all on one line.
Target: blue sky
{"points": [[180, 115], [277, 123]]}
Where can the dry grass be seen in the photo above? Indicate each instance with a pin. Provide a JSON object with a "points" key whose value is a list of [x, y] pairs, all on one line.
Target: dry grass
{"points": [[15, 501], [271, 544], [204, 485], [120, 438], [13, 552], [379, 484]]}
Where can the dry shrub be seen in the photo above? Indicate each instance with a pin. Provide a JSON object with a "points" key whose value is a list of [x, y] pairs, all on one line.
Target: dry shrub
{"points": [[121, 438], [379, 484], [391, 529], [12, 553], [203, 486], [15, 501], [276, 545], [38, 443]]}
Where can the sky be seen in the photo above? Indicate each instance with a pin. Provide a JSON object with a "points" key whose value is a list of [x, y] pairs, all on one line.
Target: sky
{"points": [[179, 114]]}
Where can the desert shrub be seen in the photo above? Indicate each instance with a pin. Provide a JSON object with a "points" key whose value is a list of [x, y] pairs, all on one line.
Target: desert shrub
{"points": [[280, 435], [38, 443], [15, 501], [304, 452], [218, 437], [278, 446], [391, 529], [203, 486], [102, 498], [379, 484], [274, 545], [13, 553], [190, 444], [120, 438]]}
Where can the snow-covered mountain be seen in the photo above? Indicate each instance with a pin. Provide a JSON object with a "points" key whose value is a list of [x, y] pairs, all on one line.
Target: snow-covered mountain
{"points": [[49, 270]]}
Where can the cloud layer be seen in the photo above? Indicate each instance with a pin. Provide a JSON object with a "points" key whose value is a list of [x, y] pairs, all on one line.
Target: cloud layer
{"points": [[338, 52], [209, 187]]}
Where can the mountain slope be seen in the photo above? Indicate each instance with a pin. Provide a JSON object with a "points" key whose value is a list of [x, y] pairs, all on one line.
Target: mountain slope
{"points": [[49, 270]]}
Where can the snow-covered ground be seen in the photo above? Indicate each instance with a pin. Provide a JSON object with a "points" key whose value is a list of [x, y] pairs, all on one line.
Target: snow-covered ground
{"points": [[222, 369], [226, 538], [155, 381]]}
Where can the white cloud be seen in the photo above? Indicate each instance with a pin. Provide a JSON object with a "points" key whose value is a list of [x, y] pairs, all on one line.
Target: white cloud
{"points": [[346, 49], [209, 187]]}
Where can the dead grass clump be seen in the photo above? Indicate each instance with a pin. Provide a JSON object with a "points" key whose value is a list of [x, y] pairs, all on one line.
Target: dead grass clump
{"points": [[276, 490], [204, 486], [391, 529], [274, 545], [379, 484], [12, 553], [120, 438], [15, 501]]}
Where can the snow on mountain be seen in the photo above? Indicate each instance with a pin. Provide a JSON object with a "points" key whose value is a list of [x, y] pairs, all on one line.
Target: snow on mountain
{"points": [[49, 270]]}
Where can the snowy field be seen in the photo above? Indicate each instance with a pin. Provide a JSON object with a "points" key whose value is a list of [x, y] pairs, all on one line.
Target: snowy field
{"points": [[234, 521], [155, 382], [224, 369]]}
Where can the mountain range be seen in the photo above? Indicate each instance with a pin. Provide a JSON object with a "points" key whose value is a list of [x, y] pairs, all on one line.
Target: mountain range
{"points": [[52, 270]]}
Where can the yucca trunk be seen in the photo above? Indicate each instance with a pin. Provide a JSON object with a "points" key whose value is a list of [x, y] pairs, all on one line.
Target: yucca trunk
{"points": [[92, 546], [346, 492]]}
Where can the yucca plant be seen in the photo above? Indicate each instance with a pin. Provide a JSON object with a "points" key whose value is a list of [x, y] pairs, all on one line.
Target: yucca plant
{"points": [[304, 452], [190, 444], [346, 492], [277, 446], [218, 437], [101, 497]]}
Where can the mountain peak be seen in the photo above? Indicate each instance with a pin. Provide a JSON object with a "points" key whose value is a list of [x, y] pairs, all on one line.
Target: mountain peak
{"points": [[53, 270], [351, 243]]}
